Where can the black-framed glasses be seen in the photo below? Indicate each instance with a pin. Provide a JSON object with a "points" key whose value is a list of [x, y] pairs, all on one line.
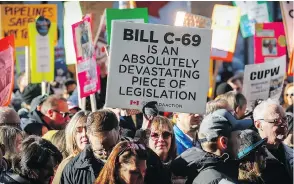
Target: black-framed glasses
{"points": [[291, 94], [64, 114], [165, 135], [278, 122]]}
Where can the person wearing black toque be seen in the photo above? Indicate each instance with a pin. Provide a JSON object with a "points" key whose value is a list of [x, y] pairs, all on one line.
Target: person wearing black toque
{"points": [[223, 88]]}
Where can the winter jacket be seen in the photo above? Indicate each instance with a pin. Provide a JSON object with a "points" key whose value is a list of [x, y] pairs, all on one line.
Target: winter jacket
{"points": [[34, 123], [275, 171], [288, 158], [60, 168], [204, 168], [82, 169], [183, 141], [156, 172]]}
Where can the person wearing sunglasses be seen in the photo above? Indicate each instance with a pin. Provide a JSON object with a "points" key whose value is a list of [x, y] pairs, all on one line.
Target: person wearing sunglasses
{"points": [[252, 154], [162, 142], [271, 123], [125, 165], [53, 114], [289, 95]]}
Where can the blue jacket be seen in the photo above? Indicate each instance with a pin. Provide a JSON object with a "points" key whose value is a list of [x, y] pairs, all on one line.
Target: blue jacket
{"points": [[183, 141]]}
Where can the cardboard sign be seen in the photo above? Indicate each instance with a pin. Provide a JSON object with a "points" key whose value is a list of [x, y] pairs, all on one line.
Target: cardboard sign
{"points": [[87, 69], [262, 81], [7, 50], [252, 12], [16, 17], [138, 15], [191, 20], [41, 45], [225, 23], [269, 41], [20, 60], [288, 19], [167, 64]]}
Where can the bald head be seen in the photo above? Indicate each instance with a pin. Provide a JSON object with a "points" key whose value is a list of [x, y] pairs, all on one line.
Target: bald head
{"points": [[8, 116]]}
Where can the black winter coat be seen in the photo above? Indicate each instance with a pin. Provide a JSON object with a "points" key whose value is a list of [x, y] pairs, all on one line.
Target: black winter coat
{"points": [[203, 167], [82, 169]]}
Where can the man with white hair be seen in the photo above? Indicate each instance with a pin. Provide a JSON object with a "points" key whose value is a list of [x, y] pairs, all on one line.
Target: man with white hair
{"points": [[270, 121]]}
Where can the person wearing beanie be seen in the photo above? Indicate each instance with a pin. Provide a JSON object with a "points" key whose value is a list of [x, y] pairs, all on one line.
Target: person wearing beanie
{"points": [[30, 92], [252, 155], [223, 88]]}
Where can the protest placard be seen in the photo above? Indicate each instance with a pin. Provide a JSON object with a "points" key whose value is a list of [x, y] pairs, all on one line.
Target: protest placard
{"points": [[20, 63], [269, 41], [139, 15], [288, 20], [225, 24], [167, 64], [87, 70], [41, 46], [7, 50], [191, 20], [252, 12], [16, 17], [265, 80], [60, 69]]}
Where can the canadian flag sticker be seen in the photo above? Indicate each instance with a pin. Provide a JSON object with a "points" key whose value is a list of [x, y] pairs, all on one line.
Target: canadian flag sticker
{"points": [[134, 102]]}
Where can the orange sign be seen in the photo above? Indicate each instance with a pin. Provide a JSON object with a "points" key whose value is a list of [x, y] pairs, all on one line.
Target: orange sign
{"points": [[16, 17]]}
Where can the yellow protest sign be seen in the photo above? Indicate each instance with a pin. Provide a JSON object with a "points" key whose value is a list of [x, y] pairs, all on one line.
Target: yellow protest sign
{"points": [[16, 17], [41, 44]]}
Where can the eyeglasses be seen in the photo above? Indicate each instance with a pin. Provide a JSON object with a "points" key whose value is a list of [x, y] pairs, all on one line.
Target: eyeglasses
{"points": [[64, 114], [278, 122], [291, 94], [165, 135]]}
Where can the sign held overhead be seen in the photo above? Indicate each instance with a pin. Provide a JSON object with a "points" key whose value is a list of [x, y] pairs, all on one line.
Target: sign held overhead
{"points": [[160, 63]]}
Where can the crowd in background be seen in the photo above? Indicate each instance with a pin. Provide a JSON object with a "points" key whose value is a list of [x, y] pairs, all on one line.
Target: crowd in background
{"points": [[49, 139]]}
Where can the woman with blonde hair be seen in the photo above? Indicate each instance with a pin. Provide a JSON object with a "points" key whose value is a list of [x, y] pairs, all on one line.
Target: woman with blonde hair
{"points": [[76, 140], [125, 165]]}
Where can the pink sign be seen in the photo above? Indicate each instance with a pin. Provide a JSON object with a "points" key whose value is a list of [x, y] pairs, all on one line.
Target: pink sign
{"points": [[269, 41], [87, 70]]}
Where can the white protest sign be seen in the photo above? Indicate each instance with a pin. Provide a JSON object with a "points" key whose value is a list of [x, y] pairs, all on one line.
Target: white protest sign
{"points": [[160, 63], [262, 81]]}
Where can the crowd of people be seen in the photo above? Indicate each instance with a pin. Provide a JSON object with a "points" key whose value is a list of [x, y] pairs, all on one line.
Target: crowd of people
{"points": [[49, 139]]}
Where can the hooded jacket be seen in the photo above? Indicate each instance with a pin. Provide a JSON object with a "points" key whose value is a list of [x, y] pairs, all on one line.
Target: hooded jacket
{"points": [[204, 168], [33, 123]]}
